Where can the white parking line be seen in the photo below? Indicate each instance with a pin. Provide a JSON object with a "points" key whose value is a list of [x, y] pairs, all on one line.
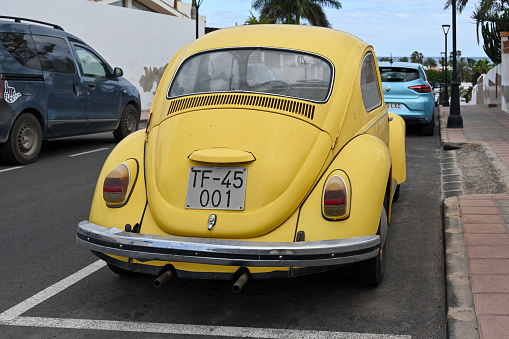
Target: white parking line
{"points": [[88, 152], [10, 169], [182, 329], [12, 317], [38, 298]]}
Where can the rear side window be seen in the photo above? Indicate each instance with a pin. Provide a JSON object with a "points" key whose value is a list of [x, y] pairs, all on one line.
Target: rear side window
{"points": [[54, 54], [369, 84], [21, 47], [398, 74]]}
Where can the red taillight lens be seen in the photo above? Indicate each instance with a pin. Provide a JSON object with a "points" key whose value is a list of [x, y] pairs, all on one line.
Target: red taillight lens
{"points": [[335, 198], [116, 185], [421, 88]]}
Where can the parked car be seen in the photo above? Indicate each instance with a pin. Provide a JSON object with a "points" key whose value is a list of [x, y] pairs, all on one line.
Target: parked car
{"points": [[408, 93], [55, 85], [234, 178]]}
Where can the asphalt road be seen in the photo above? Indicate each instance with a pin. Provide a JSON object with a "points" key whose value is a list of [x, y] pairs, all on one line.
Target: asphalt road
{"points": [[46, 292]]}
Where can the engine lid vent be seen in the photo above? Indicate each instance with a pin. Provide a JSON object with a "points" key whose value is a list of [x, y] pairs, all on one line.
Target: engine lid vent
{"points": [[282, 104]]}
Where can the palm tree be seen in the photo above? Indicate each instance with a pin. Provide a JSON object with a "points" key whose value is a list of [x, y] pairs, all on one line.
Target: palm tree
{"points": [[430, 62], [417, 57], [291, 11]]}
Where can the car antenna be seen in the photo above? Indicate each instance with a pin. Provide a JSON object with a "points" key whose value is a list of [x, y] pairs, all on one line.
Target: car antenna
{"points": [[391, 59]]}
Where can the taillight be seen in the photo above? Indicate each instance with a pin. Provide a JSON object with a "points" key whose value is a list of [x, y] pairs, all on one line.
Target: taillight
{"points": [[421, 88], [335, 198], [119, 183], [116, 185]]}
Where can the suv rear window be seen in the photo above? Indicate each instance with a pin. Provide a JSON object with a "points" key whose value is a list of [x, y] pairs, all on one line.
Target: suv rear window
{"points": [[257, 70], [21, 47], [398, 74]]}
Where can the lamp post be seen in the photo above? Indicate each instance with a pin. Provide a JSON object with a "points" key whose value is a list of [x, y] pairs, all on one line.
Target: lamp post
{"points": [[196, 4], [454, 120], [445, 97]]}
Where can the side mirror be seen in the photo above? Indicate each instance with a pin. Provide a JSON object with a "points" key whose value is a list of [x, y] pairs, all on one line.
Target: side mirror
{"points": [[118, 72]]}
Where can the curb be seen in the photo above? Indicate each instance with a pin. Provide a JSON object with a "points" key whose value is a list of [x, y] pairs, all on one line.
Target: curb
{"points": [[461, 317]]}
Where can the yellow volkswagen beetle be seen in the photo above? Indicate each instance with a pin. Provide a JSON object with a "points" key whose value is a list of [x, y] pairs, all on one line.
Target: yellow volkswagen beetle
{"points": [[269, 153]]}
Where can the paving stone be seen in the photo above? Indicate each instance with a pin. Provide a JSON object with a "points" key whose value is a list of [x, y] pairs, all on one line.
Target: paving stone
{"points": [[490, 283], [491, 303], [484, 228]]}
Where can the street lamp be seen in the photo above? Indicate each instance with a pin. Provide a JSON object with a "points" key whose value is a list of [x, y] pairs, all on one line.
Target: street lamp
{"points": [[454, 120], [445, 97], [196, 4]]}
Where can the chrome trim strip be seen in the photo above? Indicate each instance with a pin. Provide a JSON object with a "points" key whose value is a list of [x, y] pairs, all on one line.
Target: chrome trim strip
{"points": [[377, 120], [146, 247]]}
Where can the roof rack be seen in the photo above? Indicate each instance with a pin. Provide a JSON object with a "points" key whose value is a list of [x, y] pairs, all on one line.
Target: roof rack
{"points": [[16, 19]]}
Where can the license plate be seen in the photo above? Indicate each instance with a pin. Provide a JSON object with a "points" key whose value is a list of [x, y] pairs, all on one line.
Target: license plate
{"points": [[216, 188], [394, 105]]}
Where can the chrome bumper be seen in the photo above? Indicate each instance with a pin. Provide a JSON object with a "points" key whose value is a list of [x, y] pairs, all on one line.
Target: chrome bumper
{"points": [[146, 247]]}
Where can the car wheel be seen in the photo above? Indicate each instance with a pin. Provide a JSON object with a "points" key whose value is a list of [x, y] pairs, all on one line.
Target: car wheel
{"points": [[429, 129], [128, 123], [121, 271], [370, 272], [25, 140]]}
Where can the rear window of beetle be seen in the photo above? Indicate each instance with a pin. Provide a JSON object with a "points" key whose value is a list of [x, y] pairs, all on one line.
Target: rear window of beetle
{"points": [[256, 70]]}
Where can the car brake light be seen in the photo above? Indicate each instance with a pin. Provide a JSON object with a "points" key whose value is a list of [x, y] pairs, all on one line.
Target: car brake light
{"points": [[421, 88], [116, 185], [335, 198]]}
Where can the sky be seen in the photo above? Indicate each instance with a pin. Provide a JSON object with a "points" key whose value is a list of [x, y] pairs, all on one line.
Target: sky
{"points": [[399, 27]]}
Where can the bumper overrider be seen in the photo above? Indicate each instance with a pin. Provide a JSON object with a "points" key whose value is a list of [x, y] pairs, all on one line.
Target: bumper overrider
{"points": [[147, 247]]}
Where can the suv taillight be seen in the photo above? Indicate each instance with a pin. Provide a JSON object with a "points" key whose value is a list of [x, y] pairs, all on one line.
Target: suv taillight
{"points": [[421, 88]]}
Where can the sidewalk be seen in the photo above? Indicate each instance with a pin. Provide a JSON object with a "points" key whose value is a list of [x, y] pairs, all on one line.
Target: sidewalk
{"points": [[476, 228]]}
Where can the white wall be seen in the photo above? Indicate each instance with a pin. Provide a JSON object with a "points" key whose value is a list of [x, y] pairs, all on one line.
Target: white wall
{"points": [[141, 43], [504, 70]]}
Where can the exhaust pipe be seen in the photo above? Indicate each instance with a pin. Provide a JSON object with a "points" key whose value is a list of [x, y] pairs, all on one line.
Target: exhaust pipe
{"points": [[163, 278], [240, 282]]}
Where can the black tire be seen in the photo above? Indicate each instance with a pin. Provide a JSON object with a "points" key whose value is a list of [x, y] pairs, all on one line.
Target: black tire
{"points": [[121, 271], [128, 122], [25, 141], [396, 194], [429, 129], [371, 272]]}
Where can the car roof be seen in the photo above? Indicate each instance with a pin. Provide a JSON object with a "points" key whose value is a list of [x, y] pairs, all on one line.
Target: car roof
{"points": [[330, 43], [399, 64]]}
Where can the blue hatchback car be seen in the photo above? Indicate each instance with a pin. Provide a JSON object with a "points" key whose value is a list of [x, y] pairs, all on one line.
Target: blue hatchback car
{"points": [[408, 93], [52, 85]]}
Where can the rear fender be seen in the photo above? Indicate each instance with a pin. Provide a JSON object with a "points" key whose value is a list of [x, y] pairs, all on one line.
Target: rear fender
{"points": [[366, 162], [131, 147], [397, 147]]}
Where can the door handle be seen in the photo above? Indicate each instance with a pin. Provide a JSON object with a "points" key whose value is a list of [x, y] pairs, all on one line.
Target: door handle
{"points": [[75, 89], [91, 85]]}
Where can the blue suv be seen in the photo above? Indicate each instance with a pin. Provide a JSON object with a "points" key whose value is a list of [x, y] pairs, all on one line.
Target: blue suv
{"points": [[52, 85]]}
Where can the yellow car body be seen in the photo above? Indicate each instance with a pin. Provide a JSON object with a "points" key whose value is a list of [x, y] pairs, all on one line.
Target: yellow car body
{"points": [[269, 152]]}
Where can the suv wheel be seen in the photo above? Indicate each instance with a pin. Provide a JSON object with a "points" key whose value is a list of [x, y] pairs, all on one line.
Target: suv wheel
{"points": [[128, 123], [25, 140]]}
